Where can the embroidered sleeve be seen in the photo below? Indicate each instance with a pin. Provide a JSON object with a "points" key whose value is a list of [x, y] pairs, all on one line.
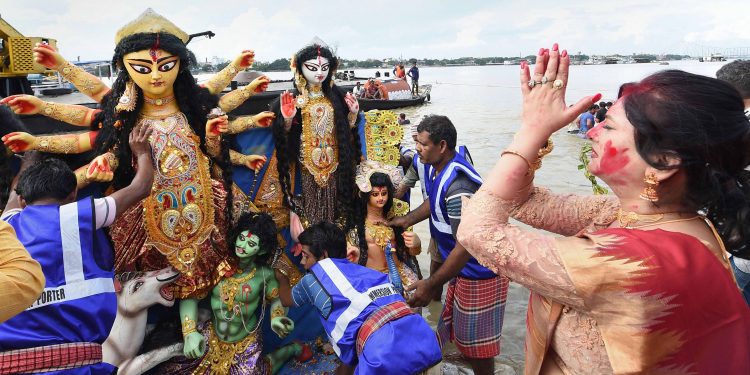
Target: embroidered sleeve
{"points": [[565, 214], [530, 259]]}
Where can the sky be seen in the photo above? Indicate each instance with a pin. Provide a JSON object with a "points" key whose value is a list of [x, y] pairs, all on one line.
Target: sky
{"points": [[382, 29]]}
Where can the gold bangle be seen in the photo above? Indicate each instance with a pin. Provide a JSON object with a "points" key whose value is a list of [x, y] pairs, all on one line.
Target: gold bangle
{"points": [[277, 312], [188, 326], [528, 163]]}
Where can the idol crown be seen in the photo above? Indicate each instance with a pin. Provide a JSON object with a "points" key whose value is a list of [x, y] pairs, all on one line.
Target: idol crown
{"points": [[150, 22]]}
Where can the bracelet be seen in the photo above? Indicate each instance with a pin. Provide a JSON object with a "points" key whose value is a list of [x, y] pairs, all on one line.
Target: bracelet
{"points": [[528, 163], [544, 151], [188, 326]]}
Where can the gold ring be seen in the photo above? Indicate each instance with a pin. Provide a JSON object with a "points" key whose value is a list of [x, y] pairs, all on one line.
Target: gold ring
{"points": [[558, 84]]}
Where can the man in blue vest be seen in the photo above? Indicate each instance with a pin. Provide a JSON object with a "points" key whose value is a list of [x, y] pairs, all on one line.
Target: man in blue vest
{"points": [[475, 301], [369, 325], [417, 172], [62, 331]]}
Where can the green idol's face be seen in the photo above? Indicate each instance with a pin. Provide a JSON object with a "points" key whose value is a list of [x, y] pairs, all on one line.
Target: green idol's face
{"points": [[247, 245]]}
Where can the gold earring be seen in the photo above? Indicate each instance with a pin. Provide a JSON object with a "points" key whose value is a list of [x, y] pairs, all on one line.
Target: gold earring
{"points": [[128, 99], [649, 192]]}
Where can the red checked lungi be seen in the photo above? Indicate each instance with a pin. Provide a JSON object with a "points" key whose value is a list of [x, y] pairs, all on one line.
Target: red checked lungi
{"points": [[473, 316], [50, 358]]}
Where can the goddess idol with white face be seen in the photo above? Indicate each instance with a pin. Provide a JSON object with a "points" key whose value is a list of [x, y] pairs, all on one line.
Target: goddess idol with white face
{"points": [[317, 142]]}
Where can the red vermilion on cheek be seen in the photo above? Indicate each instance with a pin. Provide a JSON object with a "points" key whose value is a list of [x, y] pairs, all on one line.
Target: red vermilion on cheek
{"points": [[612, 159]]}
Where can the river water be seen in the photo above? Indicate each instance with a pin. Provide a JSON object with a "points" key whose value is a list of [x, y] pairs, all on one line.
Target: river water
{"points": [[484, 103]]}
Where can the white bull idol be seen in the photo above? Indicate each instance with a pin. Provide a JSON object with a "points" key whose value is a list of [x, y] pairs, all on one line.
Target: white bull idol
{"points": [[136, 292]]}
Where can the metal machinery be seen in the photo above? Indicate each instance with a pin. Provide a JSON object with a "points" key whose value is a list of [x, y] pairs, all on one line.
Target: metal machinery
{"points": [[17, 60]]}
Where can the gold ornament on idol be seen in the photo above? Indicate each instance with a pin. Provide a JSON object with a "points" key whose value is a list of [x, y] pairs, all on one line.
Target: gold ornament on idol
{"points": [[128, 99], [230, 286], [159, 101], [150, 22]]}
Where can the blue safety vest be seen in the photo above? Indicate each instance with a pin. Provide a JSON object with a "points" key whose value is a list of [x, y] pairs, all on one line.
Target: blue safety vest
{"points": [[440, 227], [356, 292], [78, 303], [424, 170]]}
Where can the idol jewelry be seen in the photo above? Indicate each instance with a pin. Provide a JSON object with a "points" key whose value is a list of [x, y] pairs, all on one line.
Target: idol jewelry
{"points": [[159, 101], [128, 99], [558, 84]]}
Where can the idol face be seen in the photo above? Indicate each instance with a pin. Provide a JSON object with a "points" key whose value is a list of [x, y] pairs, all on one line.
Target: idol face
{"points": [[247, 245], [316, 70], [154, 71], [378, 197]]}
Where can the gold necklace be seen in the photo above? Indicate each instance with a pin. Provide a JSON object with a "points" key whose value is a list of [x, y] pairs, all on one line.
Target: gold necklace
{"points": [[663, 222], [380, 233], [625, 218], [230, 286], [158, 101]]}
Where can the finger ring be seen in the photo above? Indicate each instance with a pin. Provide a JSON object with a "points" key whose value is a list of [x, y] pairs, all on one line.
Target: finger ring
{"points": [[544, 80], [533, 83], [558, 84]]}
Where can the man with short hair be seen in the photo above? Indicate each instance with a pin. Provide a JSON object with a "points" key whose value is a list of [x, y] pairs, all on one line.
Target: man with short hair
{"points": [[587, 121], [414, 74], [369, 325], [65, 327], [475, 302], [737, 73], [601, 114]]}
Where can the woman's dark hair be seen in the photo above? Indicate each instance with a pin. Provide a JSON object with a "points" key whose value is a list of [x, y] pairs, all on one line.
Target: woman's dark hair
{"points": [[261, 225], [47, 179], [9, 123], [324, 237], [288, 143], [379, 180], [700, 120], [194, 101]]}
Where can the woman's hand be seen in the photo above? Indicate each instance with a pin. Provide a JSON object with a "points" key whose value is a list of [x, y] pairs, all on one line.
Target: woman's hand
{"points": [[259, 84], [264, 119], [245, 59], [544, 110], [352, 103], [216, 126], [288, 110], [24, 104], [20, 141], [48, 56]]}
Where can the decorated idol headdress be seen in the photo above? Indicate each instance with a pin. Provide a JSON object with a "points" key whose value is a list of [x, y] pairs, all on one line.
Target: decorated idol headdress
{"points": [[150, 22], [366, 169]]}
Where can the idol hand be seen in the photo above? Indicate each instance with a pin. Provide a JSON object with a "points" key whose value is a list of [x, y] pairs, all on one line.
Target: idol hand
{"points": [[412, 242], [194, 345], [20, 142], [99, 170], [264, 119], [288, 110], [245, 59], [255, 162], [216, 126], [282, 326], [259, 84], [352, 103], [24, 104], [544, 109], [48, 56], [423, 292]]}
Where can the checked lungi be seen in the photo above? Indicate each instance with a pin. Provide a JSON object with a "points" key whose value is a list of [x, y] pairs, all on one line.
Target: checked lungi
{"points": [[473, 316]]}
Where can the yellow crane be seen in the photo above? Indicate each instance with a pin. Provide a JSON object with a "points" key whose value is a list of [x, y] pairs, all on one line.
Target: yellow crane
{"points": [[17, 60]]}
